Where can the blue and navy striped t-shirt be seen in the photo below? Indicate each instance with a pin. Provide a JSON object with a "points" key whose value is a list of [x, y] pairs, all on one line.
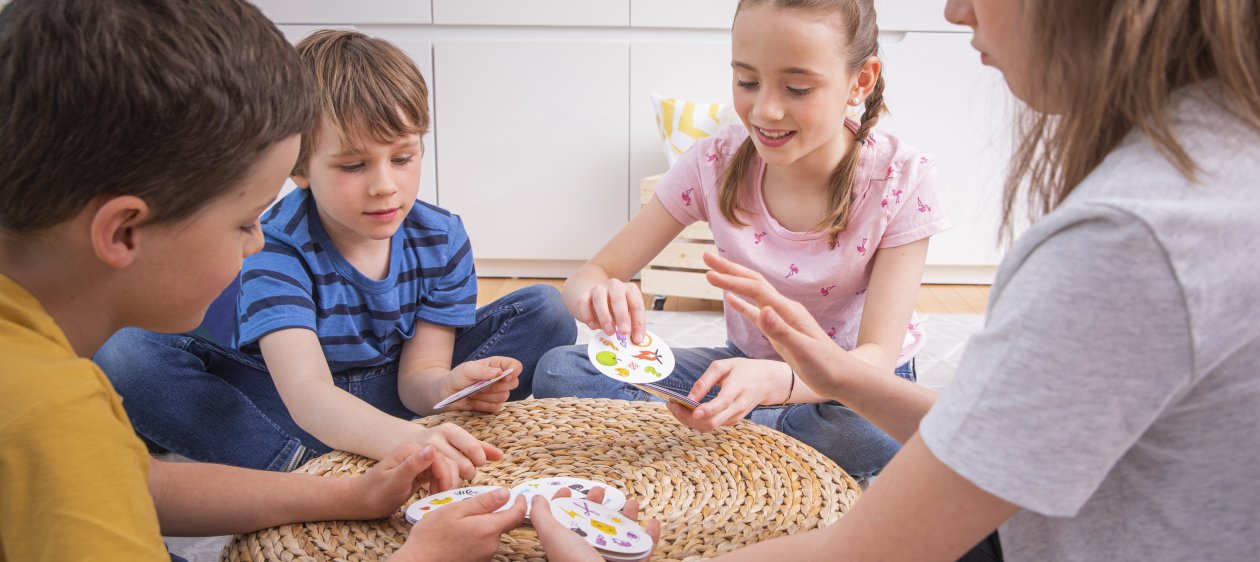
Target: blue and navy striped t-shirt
{"points": [[300, 280]]}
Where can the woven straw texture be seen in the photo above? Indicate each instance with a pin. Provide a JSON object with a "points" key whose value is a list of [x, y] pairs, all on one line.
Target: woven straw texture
{"points": [[712, 492]]}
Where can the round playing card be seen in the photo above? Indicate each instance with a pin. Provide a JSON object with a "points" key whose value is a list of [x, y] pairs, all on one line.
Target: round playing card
{"points": [[428, 504], [547, 487], [603, 528], [620, 359]]}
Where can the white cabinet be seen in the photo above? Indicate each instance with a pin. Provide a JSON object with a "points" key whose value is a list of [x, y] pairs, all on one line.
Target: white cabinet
{"points": [[340, 12], [703, 14], [943, 101], [532, 151], [532, 12], [695, 71]]}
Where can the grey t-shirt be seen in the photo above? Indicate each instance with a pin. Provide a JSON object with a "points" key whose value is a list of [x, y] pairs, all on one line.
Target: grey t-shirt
{"points": [[1114, 393]]}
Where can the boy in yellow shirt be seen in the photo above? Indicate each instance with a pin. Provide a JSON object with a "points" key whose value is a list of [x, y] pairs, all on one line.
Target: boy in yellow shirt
{"points": [[139, 142]]}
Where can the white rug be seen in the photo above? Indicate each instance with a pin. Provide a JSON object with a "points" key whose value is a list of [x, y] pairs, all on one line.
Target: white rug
{"points": [[946, 335]]}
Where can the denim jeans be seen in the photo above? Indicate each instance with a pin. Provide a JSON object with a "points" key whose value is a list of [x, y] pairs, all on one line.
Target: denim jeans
{"points": [[841, 434], [194, 397]]}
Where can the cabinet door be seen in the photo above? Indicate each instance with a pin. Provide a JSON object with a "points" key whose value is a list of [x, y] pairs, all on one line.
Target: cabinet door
{"points": [[533, 147], [947, 104], [693, 71], [337, 11], [914, 15], [705, 14], [614, 13]]}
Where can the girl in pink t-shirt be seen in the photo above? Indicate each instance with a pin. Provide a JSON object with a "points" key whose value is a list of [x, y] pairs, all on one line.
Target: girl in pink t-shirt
{"points": [[834, 213]]}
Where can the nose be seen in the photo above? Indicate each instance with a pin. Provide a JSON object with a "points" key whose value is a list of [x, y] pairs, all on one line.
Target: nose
{"points": [[768, 108], [256, 241], [960, 12], [382, 182]]}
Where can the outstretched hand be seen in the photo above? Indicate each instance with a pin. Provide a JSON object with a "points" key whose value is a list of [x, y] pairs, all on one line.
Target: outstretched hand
{"points": [[792, 331]]}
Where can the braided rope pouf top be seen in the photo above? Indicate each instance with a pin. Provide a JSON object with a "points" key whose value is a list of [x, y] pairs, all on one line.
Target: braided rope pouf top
{"points": [[712, 492]]}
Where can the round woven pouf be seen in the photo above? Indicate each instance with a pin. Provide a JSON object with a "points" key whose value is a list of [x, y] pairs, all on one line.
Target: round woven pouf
{"points": [[712, 492]]}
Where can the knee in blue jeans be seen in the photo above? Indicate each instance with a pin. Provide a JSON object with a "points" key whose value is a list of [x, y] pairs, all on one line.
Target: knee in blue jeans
{"points": [[551, 318], [129, 354]]}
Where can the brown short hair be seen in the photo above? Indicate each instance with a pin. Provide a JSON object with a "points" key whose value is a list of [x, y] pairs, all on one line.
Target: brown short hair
{"points": [[366, 86], [172, 101], [1108, 67]]}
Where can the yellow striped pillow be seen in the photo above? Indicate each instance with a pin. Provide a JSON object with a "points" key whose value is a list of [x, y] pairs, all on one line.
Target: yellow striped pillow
{"points": [[682, 122]]}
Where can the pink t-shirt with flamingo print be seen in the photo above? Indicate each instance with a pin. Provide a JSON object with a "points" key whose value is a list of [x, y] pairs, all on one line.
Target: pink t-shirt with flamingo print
{"points": [[896, 202]]}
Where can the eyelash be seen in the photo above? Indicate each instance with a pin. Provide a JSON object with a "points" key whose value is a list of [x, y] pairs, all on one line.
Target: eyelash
{"points": [[399, 161], [793, 91]]}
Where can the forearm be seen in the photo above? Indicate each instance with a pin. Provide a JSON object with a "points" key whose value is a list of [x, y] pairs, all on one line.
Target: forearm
{"points": [[345, 422], [891, 403], [421, 388], [195, 499]]}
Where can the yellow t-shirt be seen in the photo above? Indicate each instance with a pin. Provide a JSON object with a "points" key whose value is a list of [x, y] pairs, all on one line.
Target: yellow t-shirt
{"points": [[72, 472]]}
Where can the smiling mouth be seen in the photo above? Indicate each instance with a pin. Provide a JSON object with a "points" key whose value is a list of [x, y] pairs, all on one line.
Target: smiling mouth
{"points": [[774, 137]]}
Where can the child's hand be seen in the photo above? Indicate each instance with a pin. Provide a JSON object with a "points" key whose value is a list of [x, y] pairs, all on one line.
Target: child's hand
{"points": [[491, 398], [460, 447], [792, 331], [468, 530], [746, 384], [395, 478], [563, 545], [612, 306]]}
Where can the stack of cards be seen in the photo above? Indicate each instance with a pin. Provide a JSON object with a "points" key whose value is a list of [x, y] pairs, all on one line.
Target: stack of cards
{"points": [[428, 504], [469, 390], [612, 534], [642, 365]]}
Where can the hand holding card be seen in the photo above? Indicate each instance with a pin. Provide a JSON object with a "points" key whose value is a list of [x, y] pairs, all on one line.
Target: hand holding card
{"points": [[573, 529], [471, 389]]}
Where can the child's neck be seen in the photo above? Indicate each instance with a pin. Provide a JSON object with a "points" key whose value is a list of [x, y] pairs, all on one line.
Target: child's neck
{"points": [[369, 257], [71, 285], [798, 195]]}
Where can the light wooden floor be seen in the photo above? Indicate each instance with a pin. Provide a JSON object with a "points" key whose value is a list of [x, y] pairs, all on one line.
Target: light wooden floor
{"points": [[933, 299]]}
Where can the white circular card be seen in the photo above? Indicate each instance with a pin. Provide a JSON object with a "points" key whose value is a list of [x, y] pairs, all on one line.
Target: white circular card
{"points": [[614, 499], [617, 357], [603, 528], [428, 504]]}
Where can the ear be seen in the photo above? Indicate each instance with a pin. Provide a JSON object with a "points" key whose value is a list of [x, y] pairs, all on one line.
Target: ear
{"points": [[300, 179], [866, 77], [114, 229]]}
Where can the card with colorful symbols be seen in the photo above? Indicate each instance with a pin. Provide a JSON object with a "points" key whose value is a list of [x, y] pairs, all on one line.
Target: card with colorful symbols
{"points": [[614, 499], [617, 357], [428, 504], [615, 536]]}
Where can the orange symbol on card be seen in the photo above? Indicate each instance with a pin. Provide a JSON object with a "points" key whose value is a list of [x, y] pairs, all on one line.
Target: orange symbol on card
{"points": [[442, 501], [649, 355]]}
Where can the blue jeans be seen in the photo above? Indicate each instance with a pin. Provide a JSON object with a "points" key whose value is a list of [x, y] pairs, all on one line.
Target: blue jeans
{"points": [[845, 437], [194, 397]]}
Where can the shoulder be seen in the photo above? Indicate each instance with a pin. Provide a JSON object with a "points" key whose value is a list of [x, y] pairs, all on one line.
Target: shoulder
{"points": [[40, 388], [427, 219], [894, 158], [287, 218]]}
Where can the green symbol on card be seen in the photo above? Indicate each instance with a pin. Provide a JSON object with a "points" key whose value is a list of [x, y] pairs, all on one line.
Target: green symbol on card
{"points": [[606, 358], [652, 371]]}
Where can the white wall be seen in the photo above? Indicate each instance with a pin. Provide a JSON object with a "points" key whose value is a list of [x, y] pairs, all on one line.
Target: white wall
{"points": [[543, 125]]}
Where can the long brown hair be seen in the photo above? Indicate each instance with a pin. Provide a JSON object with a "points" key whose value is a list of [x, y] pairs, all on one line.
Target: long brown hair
{"points": [[858, 19], [1106, 67]]}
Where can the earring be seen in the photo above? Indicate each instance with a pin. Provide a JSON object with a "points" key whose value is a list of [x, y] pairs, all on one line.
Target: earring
{"points": [[855, 102]]}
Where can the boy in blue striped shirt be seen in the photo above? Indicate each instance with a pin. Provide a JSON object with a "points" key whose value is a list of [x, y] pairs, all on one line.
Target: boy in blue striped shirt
{"points": [[358, 315]]}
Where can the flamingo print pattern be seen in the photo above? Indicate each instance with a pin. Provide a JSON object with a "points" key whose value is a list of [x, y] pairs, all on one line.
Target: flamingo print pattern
{"points": [[923, 207], [892, 174], [861, 249], [826, 291], [757, 236], [686, 196], [709, 157], [832, 333], [792, 270]]}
